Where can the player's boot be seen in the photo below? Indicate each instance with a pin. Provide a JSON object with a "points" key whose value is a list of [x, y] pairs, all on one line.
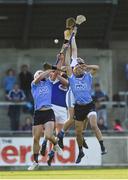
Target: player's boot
{"points": [[80, 156], [103, 151], [51, 157], [85, 144], [60, 139], [43, 148], [34, 166], [58, 149]]}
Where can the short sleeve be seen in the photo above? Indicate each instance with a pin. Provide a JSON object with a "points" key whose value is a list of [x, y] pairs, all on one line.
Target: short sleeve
{"points": [[73, 62], [33, 84]]}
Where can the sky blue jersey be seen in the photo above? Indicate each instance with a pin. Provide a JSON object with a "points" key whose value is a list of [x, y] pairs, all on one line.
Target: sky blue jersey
{"points": [[81, 88], [42, 93]]}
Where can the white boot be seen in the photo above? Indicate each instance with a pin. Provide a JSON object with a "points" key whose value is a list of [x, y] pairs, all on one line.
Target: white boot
{"points": [[58, 149], [33, 166]]}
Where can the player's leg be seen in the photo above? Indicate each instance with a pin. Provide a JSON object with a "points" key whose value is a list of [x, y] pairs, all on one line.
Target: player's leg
{"points": [[48, 135], [67, 125], [80, 115], [37, 133], [93, 123], [85, 127], [49, 117], [70, 105], [59, 127], [79, 137], [43, 147], [49, 128], [70, 122], [48, 132], [61, 117]]}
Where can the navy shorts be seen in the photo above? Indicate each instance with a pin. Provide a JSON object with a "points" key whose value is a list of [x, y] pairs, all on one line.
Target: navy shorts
{"points": [[42, 117], [81, 111]]}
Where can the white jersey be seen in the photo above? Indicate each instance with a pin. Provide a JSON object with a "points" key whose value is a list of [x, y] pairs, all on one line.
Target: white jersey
{"points": [[59, 102], [70, 100], [61, 113]]}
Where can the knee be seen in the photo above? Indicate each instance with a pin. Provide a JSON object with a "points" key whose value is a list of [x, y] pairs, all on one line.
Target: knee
{"points": [[36, 139], [48, 136], [71, 120], [78, 132], [94, 127]]}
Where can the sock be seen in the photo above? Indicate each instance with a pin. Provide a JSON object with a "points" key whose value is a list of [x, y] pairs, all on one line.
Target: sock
{"points": [[44, 142], [36, 157], [62, 130], [51, 154], [102, 145], [61, 134], [80, 149]]}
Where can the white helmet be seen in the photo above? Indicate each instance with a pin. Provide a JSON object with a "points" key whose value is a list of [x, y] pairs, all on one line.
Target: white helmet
{"points": [[37, 73], [80, 61]]}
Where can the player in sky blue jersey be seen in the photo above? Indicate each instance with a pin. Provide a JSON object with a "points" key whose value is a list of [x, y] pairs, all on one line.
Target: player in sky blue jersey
{"points": [[69, 96], [44, 117], [81, 84]]}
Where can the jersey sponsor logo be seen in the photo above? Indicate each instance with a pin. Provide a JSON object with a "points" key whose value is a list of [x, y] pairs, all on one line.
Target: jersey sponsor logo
{"points": [[43, 90], [62, 88], [81, 86]]}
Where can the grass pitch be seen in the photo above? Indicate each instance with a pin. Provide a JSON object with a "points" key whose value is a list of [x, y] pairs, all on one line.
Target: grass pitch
{"points": [[67, 174]]}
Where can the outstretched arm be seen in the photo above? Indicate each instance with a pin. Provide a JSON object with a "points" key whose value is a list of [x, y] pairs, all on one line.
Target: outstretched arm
{"points": [[73, 45], [62, 80], [67, 62], [71, 54], [42, 76], [91, 68]]}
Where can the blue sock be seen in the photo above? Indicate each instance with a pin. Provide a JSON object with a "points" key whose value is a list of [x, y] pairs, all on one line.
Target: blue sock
{"points": [[61, 134], [51, 154], [44, 142]]}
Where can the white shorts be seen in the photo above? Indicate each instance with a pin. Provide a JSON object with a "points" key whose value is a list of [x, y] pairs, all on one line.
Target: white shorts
{"points": [[60, 113], [70, 100]]}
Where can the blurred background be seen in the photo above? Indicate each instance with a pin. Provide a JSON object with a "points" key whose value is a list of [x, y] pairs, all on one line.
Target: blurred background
{"points": [[27, 32]]}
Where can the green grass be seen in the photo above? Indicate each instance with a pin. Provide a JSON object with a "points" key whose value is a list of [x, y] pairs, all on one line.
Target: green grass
{"points": [[67, 174]]}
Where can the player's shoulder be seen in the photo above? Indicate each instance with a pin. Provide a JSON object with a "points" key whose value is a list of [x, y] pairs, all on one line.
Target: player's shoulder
{"points": [[56, 81], [88, 73], [33, 84]]}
